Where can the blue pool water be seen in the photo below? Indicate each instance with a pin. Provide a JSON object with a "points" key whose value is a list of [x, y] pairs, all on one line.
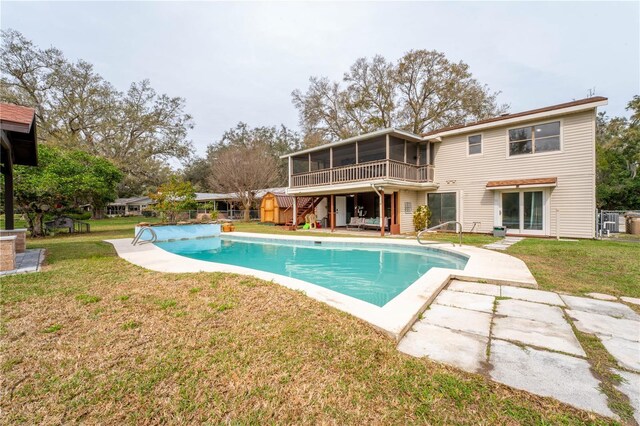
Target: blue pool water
{"points": [[373, 273]]}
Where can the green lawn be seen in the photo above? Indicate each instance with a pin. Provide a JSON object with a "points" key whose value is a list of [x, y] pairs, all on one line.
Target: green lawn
{"points": [[583, 266], [94, 339]]}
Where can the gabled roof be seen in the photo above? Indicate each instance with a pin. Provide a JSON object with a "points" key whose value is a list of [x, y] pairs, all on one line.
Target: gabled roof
{"points": [[597, 100], [16, 115], [18, 125], [132, 200]]}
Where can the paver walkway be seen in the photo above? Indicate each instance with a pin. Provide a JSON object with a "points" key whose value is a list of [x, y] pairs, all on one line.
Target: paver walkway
{"points": [[29, 261], [523, 338], [504, 243]]}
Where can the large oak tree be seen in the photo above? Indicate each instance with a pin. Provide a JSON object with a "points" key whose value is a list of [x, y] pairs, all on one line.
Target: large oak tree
{"points": [[421, 91], [139, 130]]}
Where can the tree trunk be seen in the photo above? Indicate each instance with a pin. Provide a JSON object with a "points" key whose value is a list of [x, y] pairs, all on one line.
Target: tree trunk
{"points": [[37, 229]]}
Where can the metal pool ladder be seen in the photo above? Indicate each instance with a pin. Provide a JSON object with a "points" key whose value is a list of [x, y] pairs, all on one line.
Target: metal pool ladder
{"points": [[433, 228], [136, 239]]}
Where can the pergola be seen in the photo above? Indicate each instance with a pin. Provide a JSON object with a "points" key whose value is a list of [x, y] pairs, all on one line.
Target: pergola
{"points": [[19, 146]]}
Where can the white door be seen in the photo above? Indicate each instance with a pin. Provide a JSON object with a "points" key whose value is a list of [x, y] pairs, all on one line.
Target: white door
{"points": [[341, 211], [523, 212]]}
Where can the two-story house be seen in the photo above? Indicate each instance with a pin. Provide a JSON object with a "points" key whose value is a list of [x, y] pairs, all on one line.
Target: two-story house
{"points": [[532, 172]]}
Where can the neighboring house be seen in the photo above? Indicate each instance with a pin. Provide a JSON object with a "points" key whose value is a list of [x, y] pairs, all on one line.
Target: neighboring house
{"points": [[133, 206], [533, 172]]}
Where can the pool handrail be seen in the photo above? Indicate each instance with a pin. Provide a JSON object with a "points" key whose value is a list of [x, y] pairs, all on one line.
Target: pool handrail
{"points": [[136, 239], [433, 228]]}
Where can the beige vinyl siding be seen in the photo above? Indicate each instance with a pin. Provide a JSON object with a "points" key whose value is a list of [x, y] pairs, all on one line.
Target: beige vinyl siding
{"points": [[406, 219], [574, 166]]}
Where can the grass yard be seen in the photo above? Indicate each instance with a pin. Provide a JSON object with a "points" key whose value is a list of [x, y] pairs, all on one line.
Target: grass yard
{"points": [[583, 266], [94, 339]]}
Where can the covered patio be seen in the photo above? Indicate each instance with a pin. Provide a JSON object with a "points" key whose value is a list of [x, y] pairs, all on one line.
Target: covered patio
{"points": [[357, 211]]}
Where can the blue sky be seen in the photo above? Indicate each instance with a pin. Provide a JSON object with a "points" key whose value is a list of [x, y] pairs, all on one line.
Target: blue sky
{"points": [[240, 61]]}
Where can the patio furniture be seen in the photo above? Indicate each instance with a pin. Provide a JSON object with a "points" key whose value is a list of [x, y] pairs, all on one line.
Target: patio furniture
{"points": [[374, 223], [356, 222]]}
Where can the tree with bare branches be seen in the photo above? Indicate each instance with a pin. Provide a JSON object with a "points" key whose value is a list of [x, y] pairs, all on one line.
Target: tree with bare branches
{"points": [[242, 169]]}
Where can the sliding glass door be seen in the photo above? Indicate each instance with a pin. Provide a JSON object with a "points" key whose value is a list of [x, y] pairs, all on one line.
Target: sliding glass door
{"points": [[522, 212]]}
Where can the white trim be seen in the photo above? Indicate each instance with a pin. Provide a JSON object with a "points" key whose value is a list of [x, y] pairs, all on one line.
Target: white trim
{"points": [[364, 186], [481, 153], [546, 211], [535, 154], [533, 185]]}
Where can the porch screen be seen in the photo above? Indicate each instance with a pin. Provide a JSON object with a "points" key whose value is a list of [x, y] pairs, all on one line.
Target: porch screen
{"points": [[443, 207]]}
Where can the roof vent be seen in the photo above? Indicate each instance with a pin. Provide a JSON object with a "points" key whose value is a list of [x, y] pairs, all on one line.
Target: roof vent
{"points": [[504, 114]]}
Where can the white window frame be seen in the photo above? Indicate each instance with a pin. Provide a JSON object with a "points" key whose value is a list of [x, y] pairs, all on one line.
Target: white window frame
{"points": [[478, 154], [546, 210], [533, 153]]}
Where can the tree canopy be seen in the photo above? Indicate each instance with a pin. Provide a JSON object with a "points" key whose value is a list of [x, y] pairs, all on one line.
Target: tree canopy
{"points": [[63, 180], [618, 160], [421, 91], [139, 130], [174, 197]]}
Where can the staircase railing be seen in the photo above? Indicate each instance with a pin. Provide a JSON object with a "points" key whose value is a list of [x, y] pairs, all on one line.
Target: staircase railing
{"points": [[136, 239], [433, 228]]}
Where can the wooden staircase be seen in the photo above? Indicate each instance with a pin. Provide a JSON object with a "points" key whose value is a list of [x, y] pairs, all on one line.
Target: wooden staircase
{"points": [[306, 205]]}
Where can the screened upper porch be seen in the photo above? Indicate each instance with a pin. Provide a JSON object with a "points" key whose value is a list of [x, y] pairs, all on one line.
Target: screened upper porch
{"points": [[380, 157]]}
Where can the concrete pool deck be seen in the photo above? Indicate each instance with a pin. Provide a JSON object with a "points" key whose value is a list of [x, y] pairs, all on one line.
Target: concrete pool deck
{"points": [[395, 317], [524, 338]]}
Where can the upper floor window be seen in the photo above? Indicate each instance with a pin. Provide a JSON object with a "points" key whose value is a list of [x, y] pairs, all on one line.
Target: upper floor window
{"points": [[535, 139], [475, 144]]}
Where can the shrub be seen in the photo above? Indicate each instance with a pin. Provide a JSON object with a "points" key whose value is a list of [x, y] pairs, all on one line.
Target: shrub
{"points": [[421, 218]]}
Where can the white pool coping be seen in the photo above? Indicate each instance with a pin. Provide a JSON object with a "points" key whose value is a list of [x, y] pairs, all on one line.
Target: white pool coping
{"points": [[394, 318]]}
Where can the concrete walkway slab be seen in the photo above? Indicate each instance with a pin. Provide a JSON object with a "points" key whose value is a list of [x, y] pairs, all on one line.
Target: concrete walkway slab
{"points": [[602, 296], [474, 302], [458, 319], [563, 377], [28, 261], [476, 288], [626, 352], [631, 387], [459, 349], [602, 324], [529, 310], [529, 295], [632, 300], [603, 307], [536, 333]]}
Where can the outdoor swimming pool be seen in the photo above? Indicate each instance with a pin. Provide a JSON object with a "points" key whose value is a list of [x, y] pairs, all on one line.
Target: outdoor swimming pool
{"points": [[374, 273]]}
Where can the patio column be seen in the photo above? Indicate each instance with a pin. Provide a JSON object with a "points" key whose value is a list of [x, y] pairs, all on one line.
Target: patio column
{"points": [[393, 212], [332, 212], [7, 171], [382, 213], [295, 212]]}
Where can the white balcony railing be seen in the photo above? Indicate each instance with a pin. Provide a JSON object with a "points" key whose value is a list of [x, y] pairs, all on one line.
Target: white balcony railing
{"points": [[373, 170]]}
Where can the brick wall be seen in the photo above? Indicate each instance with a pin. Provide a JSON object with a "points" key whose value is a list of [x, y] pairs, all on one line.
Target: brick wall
{"points": [[8, 253], [21, 238]]}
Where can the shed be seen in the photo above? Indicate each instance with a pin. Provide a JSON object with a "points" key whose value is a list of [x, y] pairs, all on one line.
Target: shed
{"points": [[276, 207]]}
